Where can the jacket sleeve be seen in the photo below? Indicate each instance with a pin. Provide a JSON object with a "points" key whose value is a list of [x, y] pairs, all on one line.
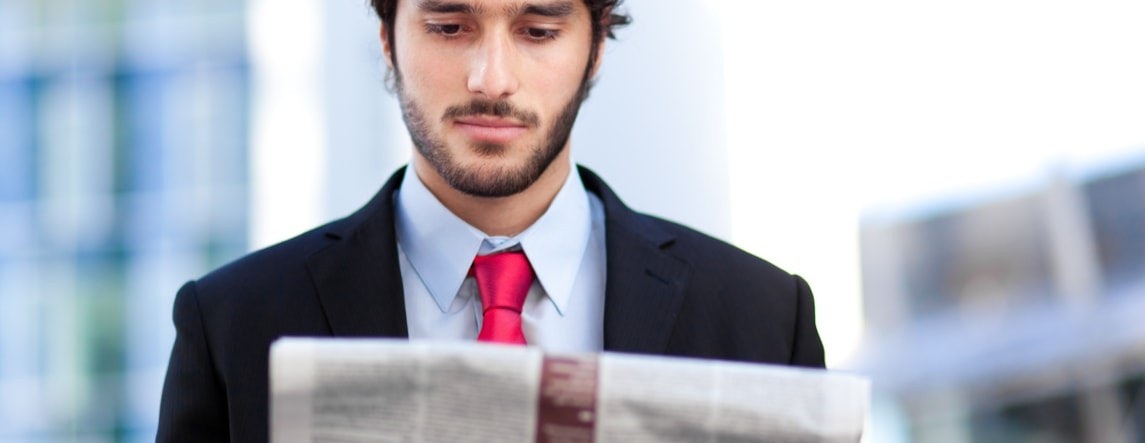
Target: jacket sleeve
{"points": [[808, 348], [194, 406]]}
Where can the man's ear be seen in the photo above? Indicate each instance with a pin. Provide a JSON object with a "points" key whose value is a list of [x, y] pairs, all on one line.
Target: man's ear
{"points": [[387, 47], [599, 58]]}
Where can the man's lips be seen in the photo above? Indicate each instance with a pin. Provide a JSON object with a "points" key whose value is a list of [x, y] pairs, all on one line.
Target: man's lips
{"points": [[490, 129]]}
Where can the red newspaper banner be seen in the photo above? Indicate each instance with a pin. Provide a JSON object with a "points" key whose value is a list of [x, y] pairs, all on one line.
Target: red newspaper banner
{"points": [[566, 410]]}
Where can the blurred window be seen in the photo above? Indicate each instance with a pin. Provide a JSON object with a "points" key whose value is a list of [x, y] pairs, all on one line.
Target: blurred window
{"points": [[17, 156], [980, 257], [1053, 419], [1116, 206]]}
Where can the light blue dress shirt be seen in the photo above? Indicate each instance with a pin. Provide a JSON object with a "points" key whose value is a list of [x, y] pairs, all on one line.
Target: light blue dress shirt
{"points": [[564, 310]]}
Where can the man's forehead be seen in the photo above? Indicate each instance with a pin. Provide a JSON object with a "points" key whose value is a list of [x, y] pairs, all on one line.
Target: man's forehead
{"points": [[549, 8]]}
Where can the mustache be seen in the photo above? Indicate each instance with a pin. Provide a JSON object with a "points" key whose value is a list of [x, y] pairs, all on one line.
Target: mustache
{"points": [[500, 109]]}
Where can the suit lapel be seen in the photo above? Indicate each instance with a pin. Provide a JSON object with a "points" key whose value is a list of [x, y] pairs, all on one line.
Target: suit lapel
{"points": [[645, 285], [357, 277]]}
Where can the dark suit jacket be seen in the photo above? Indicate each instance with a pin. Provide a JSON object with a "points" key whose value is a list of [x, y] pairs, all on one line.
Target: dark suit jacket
{"points": [[669, 290]]}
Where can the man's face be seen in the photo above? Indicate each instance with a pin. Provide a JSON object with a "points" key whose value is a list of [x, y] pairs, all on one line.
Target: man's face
{"points": [[489, 89]]}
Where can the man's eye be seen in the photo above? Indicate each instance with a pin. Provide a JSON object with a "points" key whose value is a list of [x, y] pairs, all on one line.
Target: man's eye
{"points": [[541, 33], [448, 30]]}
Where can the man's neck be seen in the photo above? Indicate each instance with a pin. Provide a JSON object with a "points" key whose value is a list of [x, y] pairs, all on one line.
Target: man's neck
{"points": [[498, 216]]}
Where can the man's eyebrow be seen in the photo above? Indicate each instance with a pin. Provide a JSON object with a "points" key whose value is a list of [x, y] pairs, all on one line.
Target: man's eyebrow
{"points": [[447, 7], [556, 9]]}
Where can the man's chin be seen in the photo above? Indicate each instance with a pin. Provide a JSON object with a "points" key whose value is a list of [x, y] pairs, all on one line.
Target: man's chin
{"points": [[490, 151], [492, 160], [490, 187], [501, 155], [494, 176]]}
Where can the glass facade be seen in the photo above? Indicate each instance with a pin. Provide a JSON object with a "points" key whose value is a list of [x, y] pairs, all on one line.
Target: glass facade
{"points": [[124, 173]]}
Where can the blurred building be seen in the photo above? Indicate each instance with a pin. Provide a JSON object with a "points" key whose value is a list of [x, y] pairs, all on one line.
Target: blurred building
{"points": [[1013, 318], [123, 171]]}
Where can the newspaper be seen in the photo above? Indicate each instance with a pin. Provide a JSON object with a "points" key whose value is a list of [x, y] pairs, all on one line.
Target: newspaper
{"points": [[377, 390]]}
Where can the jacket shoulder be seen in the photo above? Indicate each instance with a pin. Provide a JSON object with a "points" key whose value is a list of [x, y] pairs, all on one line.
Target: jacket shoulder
{"points": [[710, 254], [739, 306]]}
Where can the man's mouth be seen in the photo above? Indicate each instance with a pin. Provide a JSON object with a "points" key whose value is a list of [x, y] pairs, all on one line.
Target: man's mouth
{"points": [[490, 129]]}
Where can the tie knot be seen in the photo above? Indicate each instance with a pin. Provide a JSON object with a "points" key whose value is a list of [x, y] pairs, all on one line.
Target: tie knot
{"points": [[503, 280]]}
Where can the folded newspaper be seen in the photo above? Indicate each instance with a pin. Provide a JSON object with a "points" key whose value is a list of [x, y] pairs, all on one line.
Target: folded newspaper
{"points": [[370, 390]]}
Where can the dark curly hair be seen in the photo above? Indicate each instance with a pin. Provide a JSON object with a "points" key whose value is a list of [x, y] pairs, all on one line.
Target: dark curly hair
{"points": [[604, 14]]}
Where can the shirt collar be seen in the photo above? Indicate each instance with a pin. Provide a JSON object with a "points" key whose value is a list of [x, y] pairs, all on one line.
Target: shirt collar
{"points": [[440, 246]]}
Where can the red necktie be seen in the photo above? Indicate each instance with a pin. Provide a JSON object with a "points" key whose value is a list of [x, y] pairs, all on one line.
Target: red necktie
{"points": [[503, 279]]}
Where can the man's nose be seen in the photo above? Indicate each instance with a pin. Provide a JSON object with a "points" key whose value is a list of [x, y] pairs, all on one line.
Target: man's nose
{"points": [[493, 73]]}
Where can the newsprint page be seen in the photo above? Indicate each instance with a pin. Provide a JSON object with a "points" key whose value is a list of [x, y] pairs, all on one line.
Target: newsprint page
{"points": [[378, 390]]}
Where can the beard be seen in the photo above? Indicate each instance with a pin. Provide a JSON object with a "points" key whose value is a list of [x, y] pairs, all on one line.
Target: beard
{"points": [[490, 181]]}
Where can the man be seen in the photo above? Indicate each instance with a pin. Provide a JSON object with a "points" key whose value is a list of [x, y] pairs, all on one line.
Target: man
{"points": [[489, 90]]}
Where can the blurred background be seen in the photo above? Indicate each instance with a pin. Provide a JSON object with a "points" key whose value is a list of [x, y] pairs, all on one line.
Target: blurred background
{"points": [[962, 183]]}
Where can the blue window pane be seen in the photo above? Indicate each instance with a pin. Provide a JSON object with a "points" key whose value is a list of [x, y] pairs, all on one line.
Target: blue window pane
{"points": [[17, 182], [144, 111]]}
